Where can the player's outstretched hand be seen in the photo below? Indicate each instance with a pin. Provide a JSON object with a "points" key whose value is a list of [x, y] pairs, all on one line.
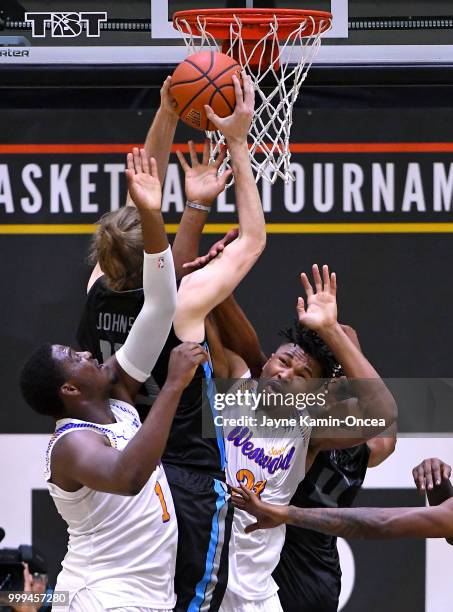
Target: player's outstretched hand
{"points": [[267, 515], [167, 102], [184, 360], [236, 127], [216, 249], [320, 312], [143, 180], [203, 183], [430, 473]]}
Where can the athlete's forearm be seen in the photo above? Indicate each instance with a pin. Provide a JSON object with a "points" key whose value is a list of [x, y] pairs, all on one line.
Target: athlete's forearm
{"points": [[187, 241], [371, 523], [158, 142], [154, 236], [353, 361], [344, 522], [204, 289], [250, 211], [382, 447], [138, 357], [238, 334], [159, 139], [139, 459], [375, 400]]}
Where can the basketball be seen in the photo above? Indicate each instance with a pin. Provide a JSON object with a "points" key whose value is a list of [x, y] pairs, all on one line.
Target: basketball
{"points": [[204, 78]]}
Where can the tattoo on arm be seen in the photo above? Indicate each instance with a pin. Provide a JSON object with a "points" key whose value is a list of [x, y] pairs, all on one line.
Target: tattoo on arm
{"points": [[345, 522], [377, 523]]}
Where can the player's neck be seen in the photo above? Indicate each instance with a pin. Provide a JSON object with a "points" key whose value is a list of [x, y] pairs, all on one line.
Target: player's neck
{"points": [[94, 411]]}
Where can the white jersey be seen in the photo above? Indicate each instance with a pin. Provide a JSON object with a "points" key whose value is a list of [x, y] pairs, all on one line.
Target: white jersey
{"points": [[123, 548], [273, 468]]}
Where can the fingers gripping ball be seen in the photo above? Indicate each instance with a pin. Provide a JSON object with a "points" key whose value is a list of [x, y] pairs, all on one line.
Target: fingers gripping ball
{"points": [[204, 78]]}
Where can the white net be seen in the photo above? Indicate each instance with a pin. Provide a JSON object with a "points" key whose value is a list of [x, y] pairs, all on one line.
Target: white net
{"points": [[278, 70]]}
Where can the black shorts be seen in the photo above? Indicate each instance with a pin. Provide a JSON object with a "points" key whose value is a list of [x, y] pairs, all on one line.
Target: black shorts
{"points": [[205, 515], [308, 576]]}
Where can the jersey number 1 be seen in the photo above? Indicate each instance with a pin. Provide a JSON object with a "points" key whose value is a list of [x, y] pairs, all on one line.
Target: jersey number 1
{"points": [[160, 494]]}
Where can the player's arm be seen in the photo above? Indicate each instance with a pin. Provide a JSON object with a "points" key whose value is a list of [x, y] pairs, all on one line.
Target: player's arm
{"points": [[234, 330], [159, 139], [204, 289], [216, 249], [202, 185], [374, 400], [367, 523], [216, 349], [103, 468], [226, 363], [382, 447], [158, 142], [134, 361], [238, 334]]}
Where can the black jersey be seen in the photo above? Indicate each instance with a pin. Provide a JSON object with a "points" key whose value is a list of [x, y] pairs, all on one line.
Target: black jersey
{"points": [[105, 324], [106, 321], [186, 445], [309, 574]]}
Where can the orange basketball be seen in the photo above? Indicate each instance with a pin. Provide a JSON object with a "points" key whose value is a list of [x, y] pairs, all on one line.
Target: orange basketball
{"points": [[204, 78]]}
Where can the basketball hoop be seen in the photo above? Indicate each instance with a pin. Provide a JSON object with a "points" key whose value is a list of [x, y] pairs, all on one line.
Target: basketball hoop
{"points": [[276, 47]]}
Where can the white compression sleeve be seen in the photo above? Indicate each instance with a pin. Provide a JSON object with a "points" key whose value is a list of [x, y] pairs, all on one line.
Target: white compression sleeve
{"points": [[139, 354]]}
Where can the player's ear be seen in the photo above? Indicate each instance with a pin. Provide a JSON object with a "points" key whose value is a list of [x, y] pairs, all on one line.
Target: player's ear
{"points": [[69, 390]]}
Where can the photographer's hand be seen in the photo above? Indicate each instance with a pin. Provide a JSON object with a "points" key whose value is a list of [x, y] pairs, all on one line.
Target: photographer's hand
{"points": [[30, 586]]}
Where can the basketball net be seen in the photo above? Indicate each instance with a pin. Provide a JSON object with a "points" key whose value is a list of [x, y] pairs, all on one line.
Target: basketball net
{"points": [[280, 67]]}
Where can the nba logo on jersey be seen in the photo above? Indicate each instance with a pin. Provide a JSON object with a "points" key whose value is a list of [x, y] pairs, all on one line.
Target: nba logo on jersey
{"points": [[160, 262]]}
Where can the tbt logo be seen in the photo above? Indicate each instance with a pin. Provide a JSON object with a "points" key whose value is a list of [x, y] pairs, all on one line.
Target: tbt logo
{"points": [[64, 25]]}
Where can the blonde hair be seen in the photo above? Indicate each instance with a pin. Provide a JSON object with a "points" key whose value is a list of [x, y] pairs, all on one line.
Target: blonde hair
{"points": [[118, 247]]}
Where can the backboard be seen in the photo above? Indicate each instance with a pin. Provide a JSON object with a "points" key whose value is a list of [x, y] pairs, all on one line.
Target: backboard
{"points": [[140, 32]]}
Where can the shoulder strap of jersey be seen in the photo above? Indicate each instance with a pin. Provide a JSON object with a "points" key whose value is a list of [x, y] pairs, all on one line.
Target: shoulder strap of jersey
{"points": [[76, 426]]}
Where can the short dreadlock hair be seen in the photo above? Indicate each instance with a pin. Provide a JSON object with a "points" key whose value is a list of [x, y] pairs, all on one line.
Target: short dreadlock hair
{"points": [[313, 345], [40, 380]]}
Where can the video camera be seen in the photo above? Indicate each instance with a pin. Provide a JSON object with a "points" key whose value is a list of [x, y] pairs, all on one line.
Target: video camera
{"points": [[12, 570]]}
